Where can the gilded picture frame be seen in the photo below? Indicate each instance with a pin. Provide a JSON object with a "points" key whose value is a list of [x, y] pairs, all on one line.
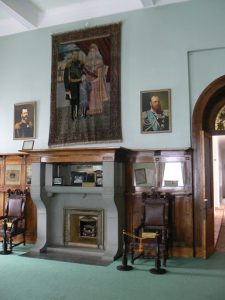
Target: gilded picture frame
{"points": [[24, 126], [155, 111]]}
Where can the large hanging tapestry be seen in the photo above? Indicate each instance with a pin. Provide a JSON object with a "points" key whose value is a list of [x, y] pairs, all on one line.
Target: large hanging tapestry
{"points": [[85, 90]]}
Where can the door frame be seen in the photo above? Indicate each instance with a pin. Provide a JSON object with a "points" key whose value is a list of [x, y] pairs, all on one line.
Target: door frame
{"points": [[203, 117]]}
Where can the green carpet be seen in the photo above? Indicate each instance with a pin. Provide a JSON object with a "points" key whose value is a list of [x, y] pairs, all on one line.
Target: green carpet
{"points": [[38, 279]]}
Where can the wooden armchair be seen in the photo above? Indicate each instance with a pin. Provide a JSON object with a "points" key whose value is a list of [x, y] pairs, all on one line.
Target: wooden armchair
{"points": [[155, 219], [13, 221]]}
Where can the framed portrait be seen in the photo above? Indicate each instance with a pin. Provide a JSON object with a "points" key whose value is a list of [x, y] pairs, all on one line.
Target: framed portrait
{"points": [[140, 176], [28, 145], [24, 126], [85, 86], [13, 175], [155, 111]]}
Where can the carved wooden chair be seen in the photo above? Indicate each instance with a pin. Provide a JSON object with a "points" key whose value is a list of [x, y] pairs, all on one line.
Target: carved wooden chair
{"points": [[13, 221], [155, 219]]}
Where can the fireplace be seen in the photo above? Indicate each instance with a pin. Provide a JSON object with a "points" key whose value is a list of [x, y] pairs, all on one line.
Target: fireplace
{"points": [[83, 228], [79, 222]]}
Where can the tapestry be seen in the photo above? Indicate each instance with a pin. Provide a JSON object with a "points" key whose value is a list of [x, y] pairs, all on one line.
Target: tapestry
{"points": [[85, 87]]}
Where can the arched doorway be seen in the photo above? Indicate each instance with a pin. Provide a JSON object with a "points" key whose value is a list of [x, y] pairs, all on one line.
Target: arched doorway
{"points": [[203, 128]]}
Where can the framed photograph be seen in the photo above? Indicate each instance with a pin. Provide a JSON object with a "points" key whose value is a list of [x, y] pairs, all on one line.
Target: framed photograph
{"points": [[24, 120], [57, 181], [85, 88], [13, 175], [77, 178], [156, 111], [140, 176], [28, 145]]}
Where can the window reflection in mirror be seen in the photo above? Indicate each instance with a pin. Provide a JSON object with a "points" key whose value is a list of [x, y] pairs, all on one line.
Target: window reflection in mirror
{"points": [[172, 174], [144, 174]]}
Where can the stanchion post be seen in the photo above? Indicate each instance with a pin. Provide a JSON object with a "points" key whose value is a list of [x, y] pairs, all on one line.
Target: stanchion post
{"points": [[124, 266], [5, 251], [158, 269]]}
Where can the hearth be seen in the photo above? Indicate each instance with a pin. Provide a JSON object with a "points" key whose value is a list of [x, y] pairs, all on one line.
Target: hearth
{"points": [[83, 228]]}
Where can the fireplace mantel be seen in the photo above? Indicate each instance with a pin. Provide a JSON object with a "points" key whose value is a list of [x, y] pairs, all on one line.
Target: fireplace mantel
{"points": [[52, 200], [116, 154]]}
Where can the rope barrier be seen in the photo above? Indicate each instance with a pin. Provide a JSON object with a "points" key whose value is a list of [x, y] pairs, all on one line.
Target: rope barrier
{"points": [[147, 235]]}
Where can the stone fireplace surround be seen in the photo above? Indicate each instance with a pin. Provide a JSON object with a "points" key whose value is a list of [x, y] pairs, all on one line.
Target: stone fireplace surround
{"points": [[51, 202]]}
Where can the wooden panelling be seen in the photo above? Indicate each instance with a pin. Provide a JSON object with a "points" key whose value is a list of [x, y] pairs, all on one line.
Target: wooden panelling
{"points": [[181, 203], [21, 161]]}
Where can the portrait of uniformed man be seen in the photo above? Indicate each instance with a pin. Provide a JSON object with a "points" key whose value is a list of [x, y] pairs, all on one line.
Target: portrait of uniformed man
{"points": [[24, 120], [155, 115]]}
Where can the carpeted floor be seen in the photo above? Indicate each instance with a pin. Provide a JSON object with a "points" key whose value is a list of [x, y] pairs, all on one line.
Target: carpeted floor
{"points": [[39, 279]]}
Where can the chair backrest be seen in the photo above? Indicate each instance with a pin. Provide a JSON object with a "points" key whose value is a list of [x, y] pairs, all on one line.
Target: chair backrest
{"points": [[155, 210], [15, 204], [154, 214]]}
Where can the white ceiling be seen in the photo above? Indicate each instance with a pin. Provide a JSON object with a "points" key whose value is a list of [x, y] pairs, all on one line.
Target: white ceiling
{"points": [[23, 15]]}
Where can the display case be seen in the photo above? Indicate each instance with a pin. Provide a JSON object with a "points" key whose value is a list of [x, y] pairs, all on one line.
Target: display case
{"points": [[167, 171]]}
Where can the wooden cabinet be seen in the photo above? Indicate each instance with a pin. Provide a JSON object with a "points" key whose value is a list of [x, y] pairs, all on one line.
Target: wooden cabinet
{"points": [[15, 174], [166, 172]]}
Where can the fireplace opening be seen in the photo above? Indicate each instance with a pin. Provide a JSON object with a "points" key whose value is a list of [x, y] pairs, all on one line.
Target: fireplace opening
{"points": [[88, 227], [83, 228]]}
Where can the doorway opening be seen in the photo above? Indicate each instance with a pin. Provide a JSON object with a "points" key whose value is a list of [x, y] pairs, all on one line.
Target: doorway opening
{"points": [[219, 191]]}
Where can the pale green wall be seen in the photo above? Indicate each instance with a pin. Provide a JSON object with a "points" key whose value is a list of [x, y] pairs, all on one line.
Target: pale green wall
{"points": [[157, 45]]}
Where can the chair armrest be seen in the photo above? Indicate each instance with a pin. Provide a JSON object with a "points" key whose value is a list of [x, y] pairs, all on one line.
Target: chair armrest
{"points": [[137, 229], [14, 226]]}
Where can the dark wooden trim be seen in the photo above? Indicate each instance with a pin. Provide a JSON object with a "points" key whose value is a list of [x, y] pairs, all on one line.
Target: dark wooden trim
{"points": [[208, 103]]}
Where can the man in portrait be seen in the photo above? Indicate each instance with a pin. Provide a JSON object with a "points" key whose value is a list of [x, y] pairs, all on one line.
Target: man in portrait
{"points": [[24, 128], [72, 79], [156, 118]]}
